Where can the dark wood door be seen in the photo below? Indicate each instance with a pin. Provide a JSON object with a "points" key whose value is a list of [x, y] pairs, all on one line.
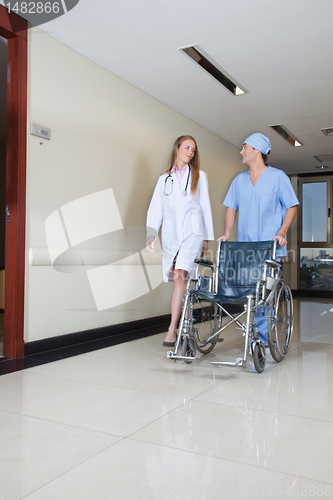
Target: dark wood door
{"points": [[14, 29]]}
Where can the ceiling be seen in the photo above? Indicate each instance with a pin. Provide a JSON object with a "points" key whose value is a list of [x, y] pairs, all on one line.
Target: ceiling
{"points": [[280, 51]]}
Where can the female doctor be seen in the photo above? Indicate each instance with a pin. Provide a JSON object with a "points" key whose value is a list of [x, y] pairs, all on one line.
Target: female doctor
{"points": [[181, 204]]}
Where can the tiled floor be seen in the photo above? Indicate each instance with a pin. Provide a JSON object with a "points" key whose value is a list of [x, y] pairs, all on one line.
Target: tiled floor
{"points": [[127, 423]]}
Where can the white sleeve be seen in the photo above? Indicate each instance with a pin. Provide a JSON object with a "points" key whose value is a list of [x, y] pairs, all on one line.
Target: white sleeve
{"points": [[205, 207], [155, 210]]}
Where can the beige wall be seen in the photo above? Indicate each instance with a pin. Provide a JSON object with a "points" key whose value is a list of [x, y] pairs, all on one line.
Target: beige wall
{"points": [[105, 133]]}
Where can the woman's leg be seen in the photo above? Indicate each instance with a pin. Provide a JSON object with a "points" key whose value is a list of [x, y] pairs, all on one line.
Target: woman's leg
{"points": [[179, 289]]}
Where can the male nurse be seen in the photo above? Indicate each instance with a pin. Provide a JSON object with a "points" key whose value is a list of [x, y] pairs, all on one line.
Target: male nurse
{"points": [[264, 198]]}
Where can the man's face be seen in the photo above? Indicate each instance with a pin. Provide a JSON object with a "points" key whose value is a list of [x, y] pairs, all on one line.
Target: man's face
{"points": [[248, 153]]}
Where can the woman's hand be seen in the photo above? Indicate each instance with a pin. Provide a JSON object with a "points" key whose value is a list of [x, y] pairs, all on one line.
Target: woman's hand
{"points": [[150, 244], [204, 248]]}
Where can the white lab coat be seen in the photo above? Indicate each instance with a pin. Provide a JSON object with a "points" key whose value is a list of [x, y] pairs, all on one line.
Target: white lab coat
{"points": [[186, 221]]}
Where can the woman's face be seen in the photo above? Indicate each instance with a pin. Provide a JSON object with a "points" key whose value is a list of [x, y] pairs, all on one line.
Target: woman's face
{"points": [[185, 152]]}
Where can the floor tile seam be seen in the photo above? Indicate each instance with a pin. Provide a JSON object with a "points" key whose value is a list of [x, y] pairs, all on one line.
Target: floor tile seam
{"points": [[321, 324], [69, 470], [228, 405], [33, 417], [112, 386], [84, 355], [56, 377], [210, 388], [77, 425], [313, 330], [311, 344], [295, 349], [151, 422], [155, 420], [29, 416], [301, 349], [229, 460], [284, 414], [88, 355], [178, 407]]}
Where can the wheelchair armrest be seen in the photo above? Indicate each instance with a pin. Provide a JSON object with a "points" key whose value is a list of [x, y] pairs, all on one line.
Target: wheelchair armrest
{"points": [[192, 280], [204, 282], [204, 262]]}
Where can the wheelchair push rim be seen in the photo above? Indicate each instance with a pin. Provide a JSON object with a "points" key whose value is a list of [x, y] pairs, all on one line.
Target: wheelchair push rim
{"points": [[207, 317], [280, 321]]}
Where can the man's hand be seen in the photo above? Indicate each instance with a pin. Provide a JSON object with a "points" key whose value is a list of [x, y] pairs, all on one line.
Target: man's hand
{"points": [[229, 221], [225, 237], [288, 219], [281, 240]]}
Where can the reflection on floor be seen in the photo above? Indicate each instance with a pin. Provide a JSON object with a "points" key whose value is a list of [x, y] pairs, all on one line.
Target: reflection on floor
{"points": [[127, 423]]}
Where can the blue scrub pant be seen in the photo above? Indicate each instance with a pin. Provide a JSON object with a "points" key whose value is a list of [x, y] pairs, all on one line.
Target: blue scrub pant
{"points": [[260, 321]]}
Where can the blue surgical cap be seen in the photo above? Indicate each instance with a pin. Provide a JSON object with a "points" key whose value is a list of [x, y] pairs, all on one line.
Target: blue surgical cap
{"points": [[260, 142]]}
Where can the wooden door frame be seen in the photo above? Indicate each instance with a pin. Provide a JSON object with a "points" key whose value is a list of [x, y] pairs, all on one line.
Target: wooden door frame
{"points": [[15, 30]]}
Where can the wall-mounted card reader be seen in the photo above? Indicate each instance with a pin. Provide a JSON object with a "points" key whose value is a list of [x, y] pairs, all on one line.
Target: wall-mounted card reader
{"points": [[40, 131]]}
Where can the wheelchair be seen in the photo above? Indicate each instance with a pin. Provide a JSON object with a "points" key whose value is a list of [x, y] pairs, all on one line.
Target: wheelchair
{"points": [[246, 274]]}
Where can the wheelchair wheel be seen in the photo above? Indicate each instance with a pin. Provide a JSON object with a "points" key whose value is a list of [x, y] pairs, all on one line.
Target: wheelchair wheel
{"points": [[280, 320], [259, 356], [188, 348], [207, 317]]}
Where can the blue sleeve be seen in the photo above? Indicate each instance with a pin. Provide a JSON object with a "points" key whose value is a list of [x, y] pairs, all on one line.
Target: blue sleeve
{"points": [[287, 194], [232, 199]]}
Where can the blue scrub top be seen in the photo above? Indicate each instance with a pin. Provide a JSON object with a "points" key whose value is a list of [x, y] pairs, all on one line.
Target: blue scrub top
{"points": [[262, 207]]}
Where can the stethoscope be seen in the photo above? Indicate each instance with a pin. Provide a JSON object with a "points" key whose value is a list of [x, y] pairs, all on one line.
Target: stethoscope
{"points": [[170, 177]]}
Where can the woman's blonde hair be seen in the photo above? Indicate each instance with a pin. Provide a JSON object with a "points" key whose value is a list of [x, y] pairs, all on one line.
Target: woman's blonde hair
{"points": [[194, 163]]}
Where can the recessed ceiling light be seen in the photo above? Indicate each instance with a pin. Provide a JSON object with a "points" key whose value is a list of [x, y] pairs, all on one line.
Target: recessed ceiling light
{"points": [[199, 56], [287, 135], [322, 167], [324, 158], [327, 131]]}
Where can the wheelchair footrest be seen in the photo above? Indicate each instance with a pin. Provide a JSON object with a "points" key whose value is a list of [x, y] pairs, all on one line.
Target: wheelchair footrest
{"points": [[239, 362], [173, 355]]}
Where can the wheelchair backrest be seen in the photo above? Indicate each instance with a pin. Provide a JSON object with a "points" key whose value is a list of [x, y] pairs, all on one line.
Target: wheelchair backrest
{"points": [[240, 265]]}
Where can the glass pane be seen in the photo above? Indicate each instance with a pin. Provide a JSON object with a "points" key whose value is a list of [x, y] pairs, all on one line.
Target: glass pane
{"points": [[314, 207], [316, 270]]}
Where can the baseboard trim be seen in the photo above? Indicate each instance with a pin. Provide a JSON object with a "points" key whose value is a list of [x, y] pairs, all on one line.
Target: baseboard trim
{"points": [[128, 331], [98, 338]]}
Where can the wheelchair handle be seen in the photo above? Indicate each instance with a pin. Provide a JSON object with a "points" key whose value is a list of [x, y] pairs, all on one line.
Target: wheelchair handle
{"points": [[204, 262], [273, 263]]}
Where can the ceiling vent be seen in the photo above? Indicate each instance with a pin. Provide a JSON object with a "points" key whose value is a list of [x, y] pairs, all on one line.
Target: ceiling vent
{"points": [[287, 135], [327, 131], [200, 57], [324, 158]]}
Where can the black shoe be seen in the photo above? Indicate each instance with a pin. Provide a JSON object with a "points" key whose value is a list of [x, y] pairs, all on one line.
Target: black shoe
{"points": [[169, 344]]}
